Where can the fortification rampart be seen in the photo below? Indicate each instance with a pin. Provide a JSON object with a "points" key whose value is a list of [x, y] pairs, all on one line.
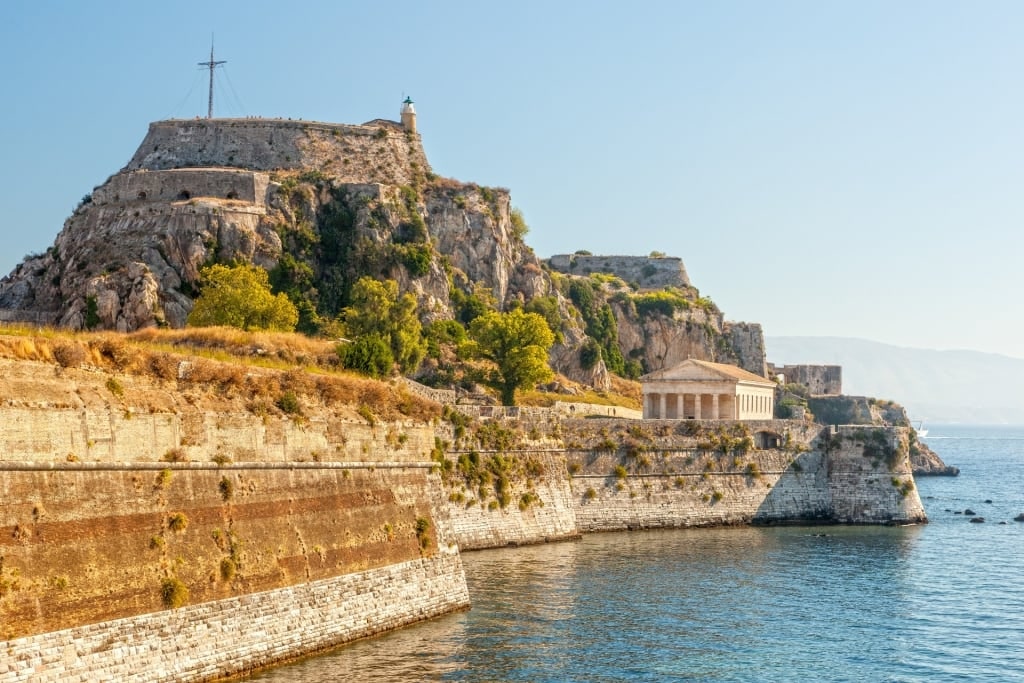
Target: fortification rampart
{"points": [[381, 152], [820, 380], [131, 509], [789, 472], [183, 184], [647, 272]]}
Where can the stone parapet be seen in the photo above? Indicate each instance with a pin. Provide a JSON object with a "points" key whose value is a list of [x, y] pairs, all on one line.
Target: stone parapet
{"points": [[647, 272], [379, 152]]}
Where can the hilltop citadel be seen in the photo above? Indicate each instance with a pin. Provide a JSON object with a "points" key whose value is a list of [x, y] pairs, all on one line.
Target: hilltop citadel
{"points": [[148, 490]]}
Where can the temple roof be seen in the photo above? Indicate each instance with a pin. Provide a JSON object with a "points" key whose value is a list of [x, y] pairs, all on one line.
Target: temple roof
{"points": [[691, 369]]}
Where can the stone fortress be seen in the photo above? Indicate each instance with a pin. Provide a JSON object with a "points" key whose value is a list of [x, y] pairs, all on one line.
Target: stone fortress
{"points": [[291, 535], [648, 272], [820, 380]]}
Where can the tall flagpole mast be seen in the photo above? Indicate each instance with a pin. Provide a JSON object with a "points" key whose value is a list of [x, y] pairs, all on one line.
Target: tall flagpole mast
{"points": [[211, 65]]}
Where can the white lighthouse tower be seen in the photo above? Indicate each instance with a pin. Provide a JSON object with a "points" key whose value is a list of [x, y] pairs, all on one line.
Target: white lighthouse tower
{"points": [[408, 115]]}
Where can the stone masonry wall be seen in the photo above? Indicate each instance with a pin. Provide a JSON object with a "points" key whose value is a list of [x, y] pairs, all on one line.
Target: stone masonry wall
{"points": [[682, 489], [86, 542], [379, 153], [477, 524], [820, 380], [74, 415], [167, 186], [648, 272], [870, 476], [217, 639]]}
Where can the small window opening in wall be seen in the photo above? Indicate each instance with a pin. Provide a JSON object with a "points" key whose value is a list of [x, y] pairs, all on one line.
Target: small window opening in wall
{"points": [[184, 194], [232, 195], [141, 195]]}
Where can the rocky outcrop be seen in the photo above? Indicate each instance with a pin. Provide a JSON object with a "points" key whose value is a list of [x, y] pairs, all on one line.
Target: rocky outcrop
{"points": [[321, 205], [927, 463], [861, 410]]}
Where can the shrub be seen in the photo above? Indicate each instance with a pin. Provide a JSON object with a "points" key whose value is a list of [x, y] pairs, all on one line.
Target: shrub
{"points": [[177, 522], [163, 478], [92, 316], [175, 455], [69, 355], [228, 568], [289, 403], [422, 529], [174, 593], [620, 472], [114, 387], [227, 488], [665, 302]]}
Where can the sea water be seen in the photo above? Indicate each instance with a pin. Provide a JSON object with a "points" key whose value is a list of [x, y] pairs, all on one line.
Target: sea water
{"points": [[940, 602]]}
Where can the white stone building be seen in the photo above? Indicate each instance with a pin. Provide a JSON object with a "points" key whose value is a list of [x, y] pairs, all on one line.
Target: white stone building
{"points": [[700, 390]]}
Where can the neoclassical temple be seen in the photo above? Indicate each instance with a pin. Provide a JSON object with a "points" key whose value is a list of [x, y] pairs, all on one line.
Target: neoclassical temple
{"points": [[700, 390]]}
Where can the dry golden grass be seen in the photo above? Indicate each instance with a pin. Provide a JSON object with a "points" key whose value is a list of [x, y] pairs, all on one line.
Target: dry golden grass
{"points": [[257, 367], [618, 396]]}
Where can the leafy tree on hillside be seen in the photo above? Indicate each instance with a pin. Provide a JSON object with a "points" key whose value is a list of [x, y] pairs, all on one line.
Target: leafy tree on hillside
{"points": [[517, 343], [239, 296], [377, 312]]}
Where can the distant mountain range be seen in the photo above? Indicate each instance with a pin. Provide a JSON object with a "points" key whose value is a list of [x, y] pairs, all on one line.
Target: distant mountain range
{"points": [[936, 386]]}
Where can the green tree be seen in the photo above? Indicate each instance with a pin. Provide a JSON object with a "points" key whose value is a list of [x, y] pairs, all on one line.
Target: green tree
{"points": [[517, 343], [239, 296], [377, 310], [370, 354]]}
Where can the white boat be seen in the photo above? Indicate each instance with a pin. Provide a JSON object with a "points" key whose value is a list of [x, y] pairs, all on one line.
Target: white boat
{"points": [[920, 430]]}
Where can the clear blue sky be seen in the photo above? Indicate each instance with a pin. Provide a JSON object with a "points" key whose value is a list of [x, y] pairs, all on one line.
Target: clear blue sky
{"points": [[824, 168]]}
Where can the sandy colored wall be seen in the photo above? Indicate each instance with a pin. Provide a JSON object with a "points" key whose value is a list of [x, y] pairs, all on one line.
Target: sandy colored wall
{"points": [[371, 153]]}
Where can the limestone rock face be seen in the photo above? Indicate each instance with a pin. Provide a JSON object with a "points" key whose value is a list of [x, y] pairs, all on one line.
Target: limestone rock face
{"points": [[698, 333], [926, 462]]}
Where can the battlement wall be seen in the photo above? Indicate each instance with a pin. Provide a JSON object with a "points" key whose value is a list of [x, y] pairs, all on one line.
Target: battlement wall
{"points": [[379, 152], [646, 271], [182, 184]]}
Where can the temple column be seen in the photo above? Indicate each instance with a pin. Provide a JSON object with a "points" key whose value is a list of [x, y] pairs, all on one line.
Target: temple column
{"points": [[661, 412], [696, 406], [714, 407]]}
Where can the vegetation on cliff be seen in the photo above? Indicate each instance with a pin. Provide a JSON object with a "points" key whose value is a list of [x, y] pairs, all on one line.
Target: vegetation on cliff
{"points": [[444, 252]]}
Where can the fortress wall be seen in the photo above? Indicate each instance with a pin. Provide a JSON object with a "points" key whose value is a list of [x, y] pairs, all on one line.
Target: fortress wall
{"points": [[319, 557], [217, 639], [167, 186], [648, 272], [73, 415], [478, 524], [676, 489], [868, 488], [379, 153], [820, 380]]}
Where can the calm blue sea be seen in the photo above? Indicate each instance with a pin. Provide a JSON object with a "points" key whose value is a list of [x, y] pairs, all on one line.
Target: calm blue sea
{"points": [[942, 602]]}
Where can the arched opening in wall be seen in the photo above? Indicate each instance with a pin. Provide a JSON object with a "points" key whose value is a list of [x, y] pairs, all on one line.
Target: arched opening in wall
{"points": [[141, 195], [765, 440], [184, 194], [232, 195]]}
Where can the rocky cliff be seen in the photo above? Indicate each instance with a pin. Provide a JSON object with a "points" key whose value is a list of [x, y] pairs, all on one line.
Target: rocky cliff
{"points": [[321, 205], [861, 410]]}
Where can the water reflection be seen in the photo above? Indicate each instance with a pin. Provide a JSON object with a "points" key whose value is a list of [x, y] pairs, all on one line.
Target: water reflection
{"points": [[708, 604]]}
